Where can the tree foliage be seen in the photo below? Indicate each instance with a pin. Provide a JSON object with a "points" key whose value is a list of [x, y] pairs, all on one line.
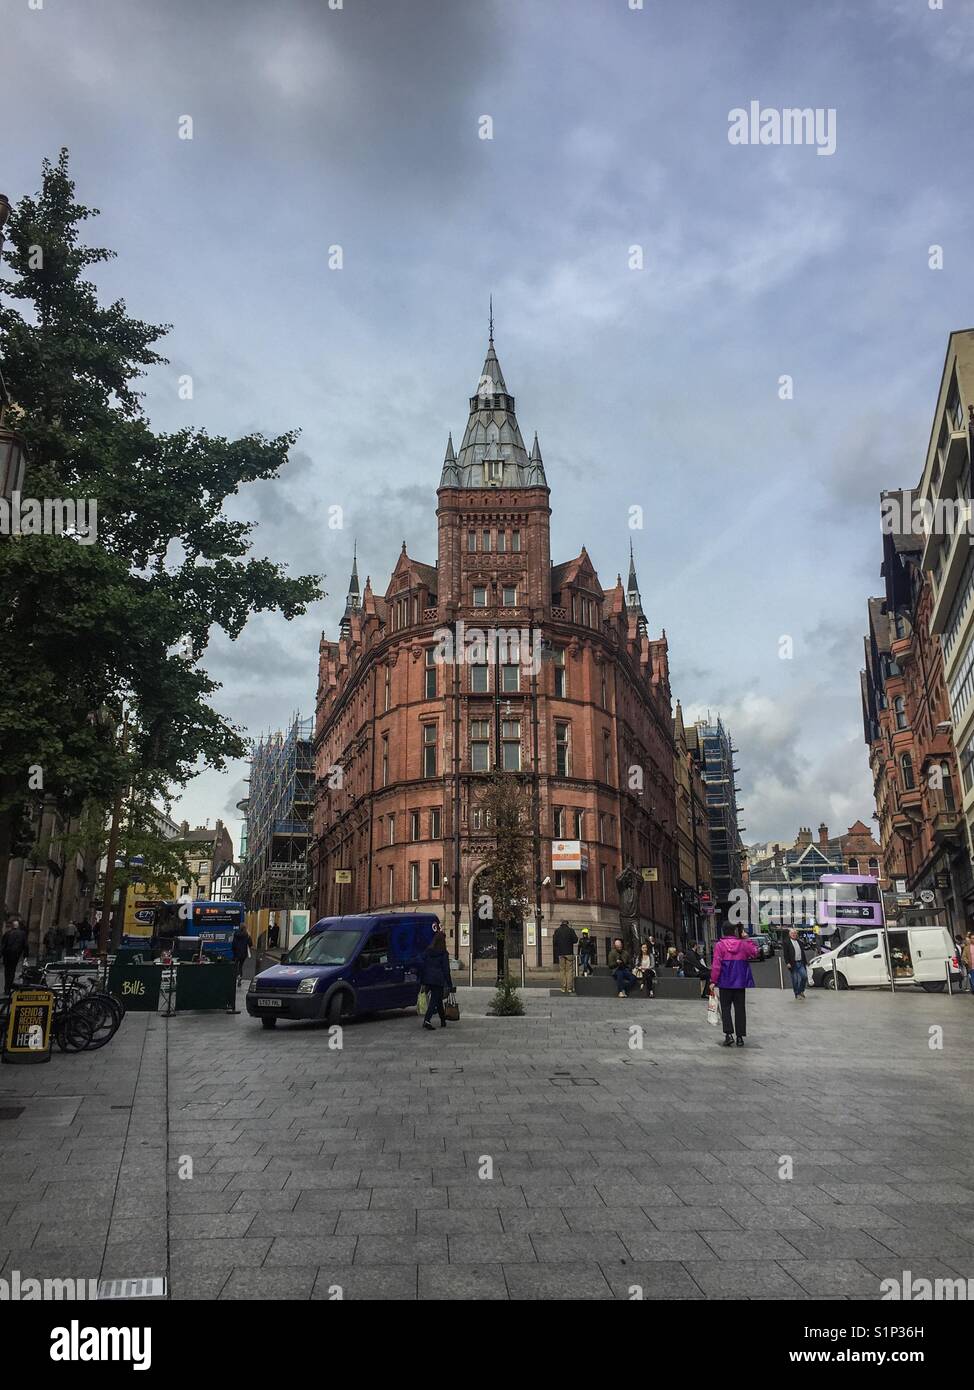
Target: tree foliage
{"points": [[87, 629]]}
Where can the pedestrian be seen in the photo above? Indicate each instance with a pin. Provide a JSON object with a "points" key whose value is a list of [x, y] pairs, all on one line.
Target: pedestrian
{"points": [[671, 954], [13, 948], [85, 933], [564, 949], [967, 955], [620, 966], [730, 971], [274, 935], [795, 956], [241, 949], [50, 945], [695, 969], [586, 953], [645, 970], [434, 975]]}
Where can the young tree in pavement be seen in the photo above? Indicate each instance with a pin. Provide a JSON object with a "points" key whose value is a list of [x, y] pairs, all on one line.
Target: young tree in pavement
{"points": [[504, 876], [87, 630]]}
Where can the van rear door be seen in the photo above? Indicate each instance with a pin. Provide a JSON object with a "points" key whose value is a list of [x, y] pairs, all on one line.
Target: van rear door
{"points": [[931, 948]]}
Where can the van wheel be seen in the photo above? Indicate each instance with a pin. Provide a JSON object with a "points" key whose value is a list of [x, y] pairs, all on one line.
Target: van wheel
{"points": [[268, 1022], [333, 1009], [933, 986], [829, 981]]}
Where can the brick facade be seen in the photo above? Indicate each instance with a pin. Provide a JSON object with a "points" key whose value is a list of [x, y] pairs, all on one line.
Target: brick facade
{"points": [[403, 737]]}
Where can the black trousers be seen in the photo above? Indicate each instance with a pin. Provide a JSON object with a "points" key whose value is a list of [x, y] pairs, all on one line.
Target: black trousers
{"points": [[435, 1003], [733, 999], [10, 964]]}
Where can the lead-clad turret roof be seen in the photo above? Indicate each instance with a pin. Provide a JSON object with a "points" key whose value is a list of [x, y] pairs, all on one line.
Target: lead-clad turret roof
{"points": [[492, 452]]}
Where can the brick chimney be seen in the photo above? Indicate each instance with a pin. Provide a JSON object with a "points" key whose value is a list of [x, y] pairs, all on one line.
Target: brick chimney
{"points": [[823, 835], [804, 837]]}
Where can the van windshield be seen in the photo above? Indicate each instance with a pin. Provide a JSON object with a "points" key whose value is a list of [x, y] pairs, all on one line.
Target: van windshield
{"points": [[325, 948]]}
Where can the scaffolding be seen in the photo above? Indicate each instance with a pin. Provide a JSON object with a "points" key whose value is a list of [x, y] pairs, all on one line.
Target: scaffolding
{"points": [[277, 811]]}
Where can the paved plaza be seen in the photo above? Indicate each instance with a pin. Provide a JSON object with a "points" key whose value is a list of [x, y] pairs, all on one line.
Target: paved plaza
{"points": [[535, 1158]]}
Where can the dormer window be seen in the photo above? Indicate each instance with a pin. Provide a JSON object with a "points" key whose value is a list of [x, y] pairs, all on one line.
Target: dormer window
{"points": [[495, 470]]}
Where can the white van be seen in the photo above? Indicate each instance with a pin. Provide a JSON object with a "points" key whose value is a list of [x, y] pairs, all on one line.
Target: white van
{"points": [[919, 955]]}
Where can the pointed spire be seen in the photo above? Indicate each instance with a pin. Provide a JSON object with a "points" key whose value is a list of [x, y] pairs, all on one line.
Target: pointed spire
{"points": [[490, 329], [450, 455], [633, 600], [353, 601]]}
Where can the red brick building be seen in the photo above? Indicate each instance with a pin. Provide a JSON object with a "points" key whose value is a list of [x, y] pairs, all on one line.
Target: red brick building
{"points": [[578, 706], [907, 726]]}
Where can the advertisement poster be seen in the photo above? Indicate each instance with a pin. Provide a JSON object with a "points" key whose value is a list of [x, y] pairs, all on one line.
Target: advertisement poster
{"points": [[29, 1025]]}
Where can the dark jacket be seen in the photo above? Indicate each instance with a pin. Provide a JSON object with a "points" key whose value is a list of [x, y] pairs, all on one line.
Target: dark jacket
{"points": [[693, 964], [434, 969], [618, 960], [14, 943], [563, 941], [241, 944], [586, 946], [794, 952]]}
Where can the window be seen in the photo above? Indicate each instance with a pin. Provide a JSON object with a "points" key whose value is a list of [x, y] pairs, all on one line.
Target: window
{"points": [[605, 702], [436, 879], [607, 754], [602, 876], [874, 866], [480, 745], [558, 664], [414, 882], [429, 750], [501, 542], [899, 709], [385, 760], [495, 470], [391, 829], [862, 946], [602, 820], [430, 673], [481, 819], [480, 595], [955, 411], [562, 754], [471, 540], [387, 689], [414, 825], [947, 786], [509, 596], [511, 745], [906, 766], [577, 821], [853, 866], [962, 686], [436, 818], [516, 541], [560, 878], [558, 822], [376, 951], [392, 883], [510, 678], [479, 679], [486, 540]]}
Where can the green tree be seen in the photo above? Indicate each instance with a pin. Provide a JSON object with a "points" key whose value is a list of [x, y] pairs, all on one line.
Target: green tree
{"points": [[88, 631], [504, 878]]}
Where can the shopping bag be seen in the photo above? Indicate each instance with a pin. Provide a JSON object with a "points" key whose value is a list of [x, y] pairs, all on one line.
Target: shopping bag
{"points": [[451, 1008], [422, 1003], [713, 1009]]}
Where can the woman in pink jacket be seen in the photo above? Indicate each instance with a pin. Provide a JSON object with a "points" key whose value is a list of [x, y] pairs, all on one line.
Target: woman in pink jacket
{"points": [[730, 971]]}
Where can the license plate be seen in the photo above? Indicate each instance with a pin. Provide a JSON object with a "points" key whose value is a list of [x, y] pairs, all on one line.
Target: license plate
{"points": [[268, 1003]]}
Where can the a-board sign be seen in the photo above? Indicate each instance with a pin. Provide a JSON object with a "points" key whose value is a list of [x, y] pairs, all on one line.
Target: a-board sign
{"points": [[28, 1035]]}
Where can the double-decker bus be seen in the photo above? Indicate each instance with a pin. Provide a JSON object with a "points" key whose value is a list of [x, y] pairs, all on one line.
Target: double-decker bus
{"points": [[212, 922], [847, 903]]}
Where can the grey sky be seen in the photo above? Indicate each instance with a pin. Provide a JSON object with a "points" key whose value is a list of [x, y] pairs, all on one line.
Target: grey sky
{"points": [[359, 127]]}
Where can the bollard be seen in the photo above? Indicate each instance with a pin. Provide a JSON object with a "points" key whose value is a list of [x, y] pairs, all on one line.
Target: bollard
{"points": [[835, 974], [522, 970], [950, 990], [781, 972]]}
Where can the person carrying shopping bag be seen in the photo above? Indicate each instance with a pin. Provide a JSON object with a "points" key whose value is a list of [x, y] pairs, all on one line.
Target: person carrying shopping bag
{"points": [[731, 972], [435, 977]]}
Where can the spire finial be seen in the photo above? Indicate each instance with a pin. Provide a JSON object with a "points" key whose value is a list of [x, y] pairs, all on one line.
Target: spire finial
{"points": [[490, 330]]}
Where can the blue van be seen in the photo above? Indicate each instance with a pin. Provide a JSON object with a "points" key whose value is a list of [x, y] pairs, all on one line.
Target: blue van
{"points": [[345, 966]]}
